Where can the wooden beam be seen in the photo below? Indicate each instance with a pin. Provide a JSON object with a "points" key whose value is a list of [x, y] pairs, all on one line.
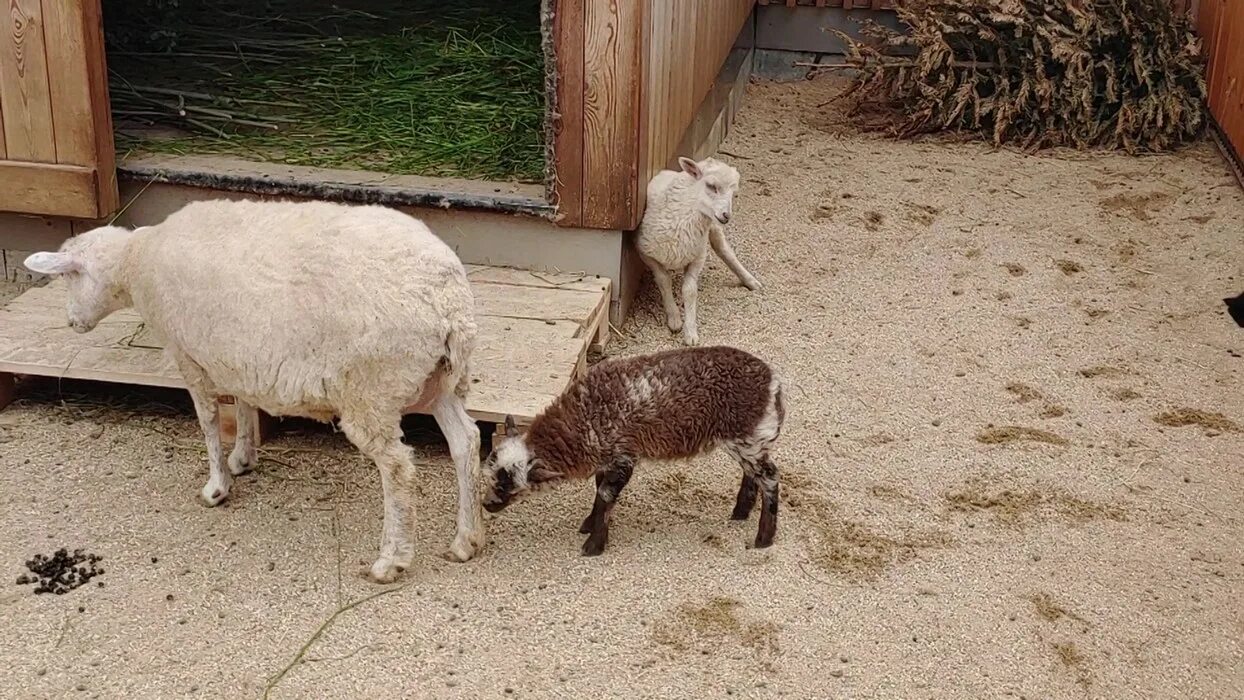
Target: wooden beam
{"points": [[568, 28], [48, 189], [8, 389]]}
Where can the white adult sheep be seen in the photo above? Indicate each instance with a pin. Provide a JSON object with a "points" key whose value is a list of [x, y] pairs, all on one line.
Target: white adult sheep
{"points": [[686, 212], [305, 309]]}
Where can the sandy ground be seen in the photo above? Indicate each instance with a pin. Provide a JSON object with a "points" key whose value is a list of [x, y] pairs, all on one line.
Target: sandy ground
{"points": [[990, 489]]}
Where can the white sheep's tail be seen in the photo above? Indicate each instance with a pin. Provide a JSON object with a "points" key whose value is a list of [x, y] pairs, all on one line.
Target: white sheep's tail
{"points": [[459, 343]]}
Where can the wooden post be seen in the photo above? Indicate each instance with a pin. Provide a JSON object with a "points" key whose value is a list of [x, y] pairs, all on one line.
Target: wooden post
{"points": [[8, 389]]}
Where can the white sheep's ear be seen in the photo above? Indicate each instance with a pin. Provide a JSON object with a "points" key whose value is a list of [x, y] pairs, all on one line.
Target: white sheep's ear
{"points": [[690, 167], [511, 427], [52, 263]]}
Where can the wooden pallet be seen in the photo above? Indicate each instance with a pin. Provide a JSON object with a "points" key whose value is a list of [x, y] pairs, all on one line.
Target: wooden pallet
{"points": [[535, 330]]}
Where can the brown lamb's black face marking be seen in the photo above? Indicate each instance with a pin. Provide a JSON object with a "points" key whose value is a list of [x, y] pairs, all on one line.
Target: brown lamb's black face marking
{"points": [[502, 492]]}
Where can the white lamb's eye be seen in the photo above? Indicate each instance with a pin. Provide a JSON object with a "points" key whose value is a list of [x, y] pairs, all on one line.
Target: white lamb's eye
{"points": [[714, 189]]}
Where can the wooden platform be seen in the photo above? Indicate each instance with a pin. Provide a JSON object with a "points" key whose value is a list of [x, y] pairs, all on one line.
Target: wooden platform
{"points": [[535, 329]]}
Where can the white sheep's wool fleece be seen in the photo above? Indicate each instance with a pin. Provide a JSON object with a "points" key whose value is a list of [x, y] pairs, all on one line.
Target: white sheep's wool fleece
{"points": [[285, 304]]}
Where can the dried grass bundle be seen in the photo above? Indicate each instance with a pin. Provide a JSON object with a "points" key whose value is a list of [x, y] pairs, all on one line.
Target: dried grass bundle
{"points": [[1037, 73]]}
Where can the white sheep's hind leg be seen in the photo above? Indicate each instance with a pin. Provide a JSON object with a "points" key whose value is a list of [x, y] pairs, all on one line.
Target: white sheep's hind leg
{"points": [[673, 317], [690, 296], [244, 454], [463, 437], [381, 440], [717, 236]]}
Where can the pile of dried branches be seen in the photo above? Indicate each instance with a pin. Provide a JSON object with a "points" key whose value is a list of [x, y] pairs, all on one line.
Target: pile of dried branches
{"points": [[1035, 73]]}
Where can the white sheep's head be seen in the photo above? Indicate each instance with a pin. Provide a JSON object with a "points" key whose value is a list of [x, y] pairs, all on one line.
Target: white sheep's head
{"points": [[89, 264], [716, 184], [511, 471]]}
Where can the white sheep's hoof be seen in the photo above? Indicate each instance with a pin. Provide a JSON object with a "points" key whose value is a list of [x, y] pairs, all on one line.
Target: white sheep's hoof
{"points": [[214, 493], [385, 570], [753, 284], [242, 462], [462, 549], [690, 338], [674, 323]]}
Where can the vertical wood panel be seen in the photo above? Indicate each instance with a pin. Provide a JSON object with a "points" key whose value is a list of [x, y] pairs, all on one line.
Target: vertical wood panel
{"points": [[568, 37], [612, 75], [24, 89], [688, 43]]}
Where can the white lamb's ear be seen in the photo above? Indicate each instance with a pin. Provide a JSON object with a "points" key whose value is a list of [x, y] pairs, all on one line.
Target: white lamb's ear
{"points": [[511, 428], [51, 263], [690, 167]]}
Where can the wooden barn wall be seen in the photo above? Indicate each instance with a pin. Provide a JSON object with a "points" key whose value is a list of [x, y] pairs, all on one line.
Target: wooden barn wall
{"points": [[1221, 23], [630, 74], [688, 41]]}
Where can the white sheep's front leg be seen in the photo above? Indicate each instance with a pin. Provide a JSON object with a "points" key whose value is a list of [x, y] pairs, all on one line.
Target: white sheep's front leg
{"points": [[244, 455], [219, 480], [717, 236], [673, 318], [690, 295], [462, 434]]}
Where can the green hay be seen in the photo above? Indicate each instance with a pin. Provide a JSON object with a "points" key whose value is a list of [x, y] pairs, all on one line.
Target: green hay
{"points": [[414, 88]]}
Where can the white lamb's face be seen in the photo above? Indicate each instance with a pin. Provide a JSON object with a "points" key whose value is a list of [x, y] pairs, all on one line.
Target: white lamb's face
{"points": [[718, 183], [87, 264]]}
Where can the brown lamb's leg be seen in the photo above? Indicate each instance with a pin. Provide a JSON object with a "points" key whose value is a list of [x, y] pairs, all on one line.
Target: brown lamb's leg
{"points": [[746, 499], [598, 506], [614, 481], [767, 477]]}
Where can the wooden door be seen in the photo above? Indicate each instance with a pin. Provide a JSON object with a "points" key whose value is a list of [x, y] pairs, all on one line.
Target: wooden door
{"points": [[56, 149]]}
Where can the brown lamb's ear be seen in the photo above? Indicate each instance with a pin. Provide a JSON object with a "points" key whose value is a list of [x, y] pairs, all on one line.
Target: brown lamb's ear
{"points": [[511, 428]]}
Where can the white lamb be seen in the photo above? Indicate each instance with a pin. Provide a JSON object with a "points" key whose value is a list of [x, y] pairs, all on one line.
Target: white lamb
{"points": [[300, 309], [686, 212]]}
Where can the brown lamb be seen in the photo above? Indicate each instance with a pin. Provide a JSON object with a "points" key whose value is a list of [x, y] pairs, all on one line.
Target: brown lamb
{"points": [[663, 406]]}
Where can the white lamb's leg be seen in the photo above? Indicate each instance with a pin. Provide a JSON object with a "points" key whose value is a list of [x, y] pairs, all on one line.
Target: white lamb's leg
{"points": [[717, 236], [219, 480], [673, 318], [690, 295], [463, 437], [381, 440], [244, 455]]}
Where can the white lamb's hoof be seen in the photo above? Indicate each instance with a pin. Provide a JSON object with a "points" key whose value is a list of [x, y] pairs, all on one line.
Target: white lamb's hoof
{"points": [[674, 323], [753, 284], [385, 570], [214, 493], [462, 549], [242, 463], [690, 339]]}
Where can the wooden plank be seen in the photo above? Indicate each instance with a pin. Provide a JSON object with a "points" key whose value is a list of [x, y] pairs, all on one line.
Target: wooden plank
{"points": [[8, 389], [612, 73], [508, 301], [79, 94], [568, 33], [519, 364], [48, 189], [24, 84], [532, 278], [4, 151]]}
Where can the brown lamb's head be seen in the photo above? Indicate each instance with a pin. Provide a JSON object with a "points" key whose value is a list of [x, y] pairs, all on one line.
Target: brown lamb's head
{"points": [[512, 471]]}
